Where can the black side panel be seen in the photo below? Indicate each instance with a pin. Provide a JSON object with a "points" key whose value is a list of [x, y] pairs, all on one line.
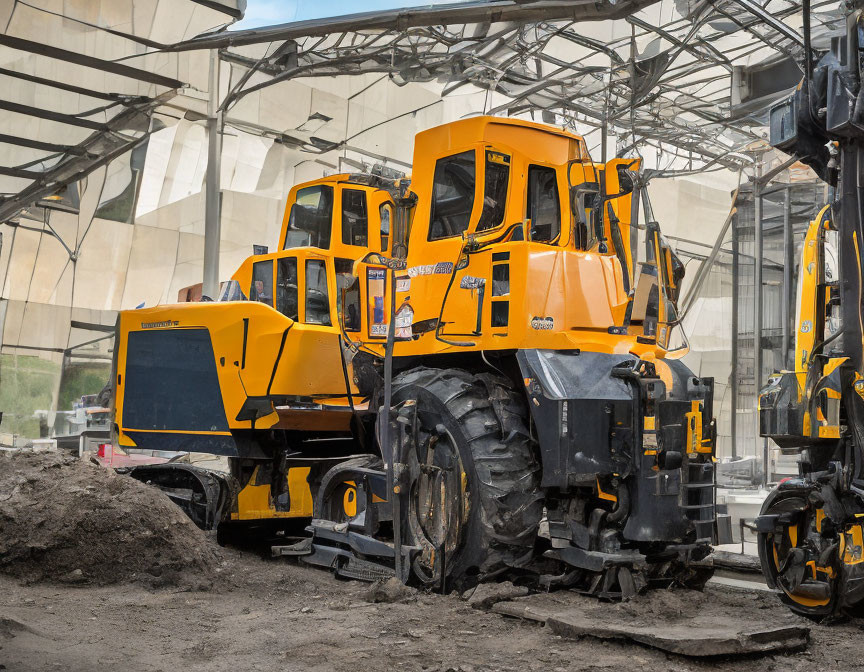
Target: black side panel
{"points": [[171, 382], [581, 414], [192, 443], [655, 512]]}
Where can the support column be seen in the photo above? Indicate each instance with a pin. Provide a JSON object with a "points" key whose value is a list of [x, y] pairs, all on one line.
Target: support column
{"points": [[213, 201], [733, 378], [604, 130], [758, 253], [788, 265]]}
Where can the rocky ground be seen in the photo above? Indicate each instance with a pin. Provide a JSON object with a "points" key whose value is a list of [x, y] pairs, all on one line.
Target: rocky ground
{"points": [[234, 610]]}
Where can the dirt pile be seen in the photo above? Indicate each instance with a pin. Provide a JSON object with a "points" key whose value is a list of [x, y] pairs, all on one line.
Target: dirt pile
{"points": [[70, 521]]}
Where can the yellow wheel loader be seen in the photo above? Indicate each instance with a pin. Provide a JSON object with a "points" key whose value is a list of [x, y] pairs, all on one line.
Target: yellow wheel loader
{"points": [[428, 369], [811, 528]]}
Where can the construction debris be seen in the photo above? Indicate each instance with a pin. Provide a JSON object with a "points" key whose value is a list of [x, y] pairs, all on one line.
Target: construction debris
{"points": [[390, 590], [714, 623], [68, 521], [486, 595]]}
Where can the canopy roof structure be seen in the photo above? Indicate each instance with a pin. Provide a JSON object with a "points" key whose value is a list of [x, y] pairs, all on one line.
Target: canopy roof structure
{"points": [[71, 103], [686, 80], [682, 75]]}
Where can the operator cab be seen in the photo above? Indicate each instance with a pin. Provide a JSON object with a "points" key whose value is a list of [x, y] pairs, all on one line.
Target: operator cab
{"points": [[328, 225], [363, 215], [506, 203]]}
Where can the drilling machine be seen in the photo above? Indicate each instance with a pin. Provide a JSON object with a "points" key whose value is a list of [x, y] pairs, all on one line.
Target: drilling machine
{"points": [[426, 368], [811, 528]]}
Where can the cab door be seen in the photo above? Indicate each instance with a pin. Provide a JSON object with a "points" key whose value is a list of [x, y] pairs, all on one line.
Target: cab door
{"points": [[310, 363], [482, 194]]}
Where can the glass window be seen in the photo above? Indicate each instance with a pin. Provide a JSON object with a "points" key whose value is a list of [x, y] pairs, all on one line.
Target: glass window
{"points": [[595, 218], [349, 295], [262, 282], [452, 196], [386, 212], [494, 190], [310, 219], [230, 291], [317, 297], [355, 222], [543, 208], [286, 286]]}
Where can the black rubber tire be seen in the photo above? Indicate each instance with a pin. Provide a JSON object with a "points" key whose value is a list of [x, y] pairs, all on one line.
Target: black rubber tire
{"points": [[489, 422], [765, 545]]}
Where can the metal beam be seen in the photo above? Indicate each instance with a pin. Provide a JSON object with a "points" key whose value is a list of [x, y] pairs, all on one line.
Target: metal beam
{"points": [[219, 6], [52, 116], [105, 146], [769, 19], [38, 144], [61, 85], [20, 173], [402, 19], [93, 326], [50, 51]]}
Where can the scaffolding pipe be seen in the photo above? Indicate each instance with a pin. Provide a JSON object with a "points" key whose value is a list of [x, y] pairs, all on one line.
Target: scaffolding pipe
{"points": [[212, 203]]}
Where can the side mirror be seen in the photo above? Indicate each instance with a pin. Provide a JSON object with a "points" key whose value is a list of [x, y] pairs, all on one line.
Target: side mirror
{"points": [[619, 177], [626, 185]]}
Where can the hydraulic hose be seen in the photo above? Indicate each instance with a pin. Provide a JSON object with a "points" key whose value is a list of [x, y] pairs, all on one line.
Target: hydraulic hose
{"points": [[623, 508]]}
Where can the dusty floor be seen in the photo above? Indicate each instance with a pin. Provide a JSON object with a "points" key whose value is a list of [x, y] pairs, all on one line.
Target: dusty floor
{"points": [[181, 603], [275, 614]]}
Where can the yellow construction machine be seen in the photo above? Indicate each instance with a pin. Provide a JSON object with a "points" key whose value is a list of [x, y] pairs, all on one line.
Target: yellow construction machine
{"points": [[428, 369]]}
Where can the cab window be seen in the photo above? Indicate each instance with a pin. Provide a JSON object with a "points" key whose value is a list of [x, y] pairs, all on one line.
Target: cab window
{"points": [[348, 286], [494, 190], [543, 208], [386, 213], [452, 196], [262, 282], [310, 219], [317, 296], [286, 287], [355, 222]]}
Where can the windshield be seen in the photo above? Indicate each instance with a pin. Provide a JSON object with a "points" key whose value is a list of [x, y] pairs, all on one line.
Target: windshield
{"points": [[310, 221], [452, 195]]}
